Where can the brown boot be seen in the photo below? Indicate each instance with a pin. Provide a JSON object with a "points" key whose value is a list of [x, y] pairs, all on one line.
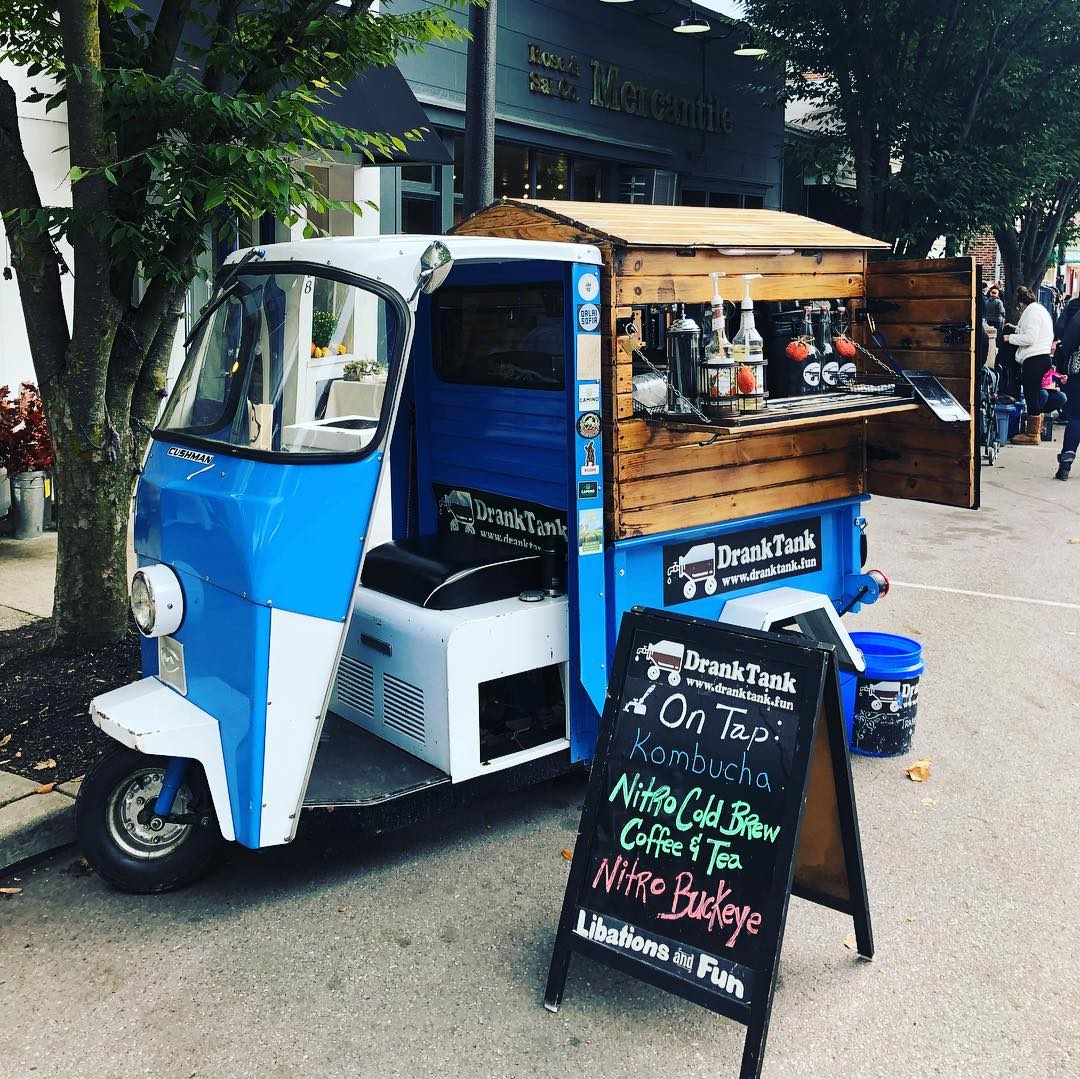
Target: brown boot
{"points": [[1034, 433]]}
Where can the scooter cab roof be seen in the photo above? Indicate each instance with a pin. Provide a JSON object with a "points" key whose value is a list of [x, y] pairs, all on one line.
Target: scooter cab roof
{"points": [[395, 260]]}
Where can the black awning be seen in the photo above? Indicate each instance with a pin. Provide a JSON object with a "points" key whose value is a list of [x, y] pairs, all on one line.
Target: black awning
{"points": [[381, 101]]}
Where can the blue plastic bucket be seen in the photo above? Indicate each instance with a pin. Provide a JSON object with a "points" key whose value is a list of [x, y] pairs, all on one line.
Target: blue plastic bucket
{"points": [[880, 704]]}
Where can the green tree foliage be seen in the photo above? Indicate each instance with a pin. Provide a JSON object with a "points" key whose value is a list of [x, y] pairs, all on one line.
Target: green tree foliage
{"points": [[953, 116], [204, 113]]}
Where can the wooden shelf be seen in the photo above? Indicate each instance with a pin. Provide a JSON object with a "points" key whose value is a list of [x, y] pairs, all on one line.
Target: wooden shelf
{"points": [[788, 412]]}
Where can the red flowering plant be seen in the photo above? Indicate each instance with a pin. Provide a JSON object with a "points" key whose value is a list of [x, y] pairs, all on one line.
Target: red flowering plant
{"points": [[25, 445]]}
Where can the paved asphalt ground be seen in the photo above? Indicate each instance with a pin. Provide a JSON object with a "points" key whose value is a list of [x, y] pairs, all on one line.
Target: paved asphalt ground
{"points": [[425, 952]]}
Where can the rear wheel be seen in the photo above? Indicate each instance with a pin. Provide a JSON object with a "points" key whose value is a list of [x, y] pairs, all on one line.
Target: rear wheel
{"points": [[122, 839]]}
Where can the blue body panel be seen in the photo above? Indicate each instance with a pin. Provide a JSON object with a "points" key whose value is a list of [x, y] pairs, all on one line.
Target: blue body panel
{"points": [[506, 441], [245, 536], [638, 566]]}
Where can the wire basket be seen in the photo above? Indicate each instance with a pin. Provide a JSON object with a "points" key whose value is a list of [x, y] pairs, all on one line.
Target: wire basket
{"points": [[866, 382], [880, 380]]}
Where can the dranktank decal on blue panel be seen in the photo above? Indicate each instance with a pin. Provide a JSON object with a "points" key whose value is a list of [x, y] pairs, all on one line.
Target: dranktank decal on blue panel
{"points": [[586, 540], [696, 571]]}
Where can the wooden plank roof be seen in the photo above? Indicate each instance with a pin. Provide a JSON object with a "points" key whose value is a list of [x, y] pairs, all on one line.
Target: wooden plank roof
{"points": [[638, 225]]}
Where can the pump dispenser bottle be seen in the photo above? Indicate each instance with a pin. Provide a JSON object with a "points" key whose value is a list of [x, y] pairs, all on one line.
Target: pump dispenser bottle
{"points": [[748, 350]]}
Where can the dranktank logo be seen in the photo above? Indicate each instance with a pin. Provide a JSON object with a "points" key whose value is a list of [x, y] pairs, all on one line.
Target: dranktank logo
{"points": [[494, 517], [726, 562]]}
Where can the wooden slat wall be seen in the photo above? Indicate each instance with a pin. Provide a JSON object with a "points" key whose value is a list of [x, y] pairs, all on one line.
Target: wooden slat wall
{"points": [[936, 460], [668, 480], [656, 276]]}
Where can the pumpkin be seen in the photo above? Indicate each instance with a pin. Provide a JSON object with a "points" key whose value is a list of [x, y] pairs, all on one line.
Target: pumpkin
{"points": [[745, 380], [797, 350], [844, 346]]}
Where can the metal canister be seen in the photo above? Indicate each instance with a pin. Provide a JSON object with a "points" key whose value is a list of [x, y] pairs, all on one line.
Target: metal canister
{"points": [[683, 356]]}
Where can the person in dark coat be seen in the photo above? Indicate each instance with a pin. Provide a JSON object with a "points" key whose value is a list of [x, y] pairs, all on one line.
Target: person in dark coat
{"points": [[1067, 346]]}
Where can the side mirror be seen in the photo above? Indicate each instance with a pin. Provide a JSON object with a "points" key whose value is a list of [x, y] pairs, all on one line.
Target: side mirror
{"points": [[435, 263]]}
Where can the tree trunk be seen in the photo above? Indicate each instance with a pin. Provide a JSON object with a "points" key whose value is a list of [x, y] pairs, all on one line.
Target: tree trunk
{"points": [[94, 483]]}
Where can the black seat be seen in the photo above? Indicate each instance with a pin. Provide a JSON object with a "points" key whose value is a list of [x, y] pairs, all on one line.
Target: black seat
{"points": [[445, 572]]}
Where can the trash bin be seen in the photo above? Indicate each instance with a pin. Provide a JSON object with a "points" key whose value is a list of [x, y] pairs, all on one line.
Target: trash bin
{"points": [[880, 705], [28, 504], [1004, 414]]}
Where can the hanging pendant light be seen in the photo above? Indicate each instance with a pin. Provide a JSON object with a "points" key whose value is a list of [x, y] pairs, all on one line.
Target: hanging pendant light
{"points": [[693, 23], [755, 52]]}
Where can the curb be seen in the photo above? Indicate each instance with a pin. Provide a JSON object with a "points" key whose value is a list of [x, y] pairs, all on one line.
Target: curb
{"points": [[32, 824]]}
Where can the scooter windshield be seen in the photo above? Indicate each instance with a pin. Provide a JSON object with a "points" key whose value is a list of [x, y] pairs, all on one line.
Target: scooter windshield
{"points": [[288, 363]]}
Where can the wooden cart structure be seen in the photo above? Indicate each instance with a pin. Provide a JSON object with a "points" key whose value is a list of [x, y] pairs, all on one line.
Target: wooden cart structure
{"points": [[664, 475]]}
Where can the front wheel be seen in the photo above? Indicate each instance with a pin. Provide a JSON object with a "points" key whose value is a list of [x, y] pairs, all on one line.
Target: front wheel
{"points": [[119, 837]]}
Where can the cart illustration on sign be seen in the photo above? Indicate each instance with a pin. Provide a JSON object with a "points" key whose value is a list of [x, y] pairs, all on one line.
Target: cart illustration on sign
{"points": [[697, 566], [459, 505], [664, 656], [885, 695]]}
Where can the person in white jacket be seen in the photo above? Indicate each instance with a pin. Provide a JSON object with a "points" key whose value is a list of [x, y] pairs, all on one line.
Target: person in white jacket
{"points": [[1033, 336]]}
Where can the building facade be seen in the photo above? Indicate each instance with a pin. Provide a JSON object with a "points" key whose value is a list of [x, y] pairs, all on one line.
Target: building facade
{"points": [[594, 101], [598, 101]]}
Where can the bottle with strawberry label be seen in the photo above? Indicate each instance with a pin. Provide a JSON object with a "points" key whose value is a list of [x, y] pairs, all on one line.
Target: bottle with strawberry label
{"points": [[804, 351], [748, 351]]}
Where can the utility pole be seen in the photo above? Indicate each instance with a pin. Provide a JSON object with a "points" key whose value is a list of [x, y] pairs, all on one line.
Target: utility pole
{"points": [[479, 185]]}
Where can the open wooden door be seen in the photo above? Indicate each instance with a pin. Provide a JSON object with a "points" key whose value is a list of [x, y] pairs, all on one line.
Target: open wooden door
{"points": [[926, 310]]}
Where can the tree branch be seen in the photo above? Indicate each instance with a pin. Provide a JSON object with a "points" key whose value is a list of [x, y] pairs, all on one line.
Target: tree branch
{"points": [[165, 39], [32, 254]]}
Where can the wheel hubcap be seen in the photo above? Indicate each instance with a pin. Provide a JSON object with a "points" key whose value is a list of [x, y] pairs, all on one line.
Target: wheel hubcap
{"points": [[152, 837]]}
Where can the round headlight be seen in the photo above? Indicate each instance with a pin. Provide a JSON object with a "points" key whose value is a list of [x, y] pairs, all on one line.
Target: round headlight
{"points": [[157, 601]]}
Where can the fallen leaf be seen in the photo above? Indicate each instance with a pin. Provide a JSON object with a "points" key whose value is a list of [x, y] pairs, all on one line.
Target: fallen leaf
{"points": [[176, 947], [920, 770], [4, 741], [45, 788], [910, 919], [929, 802], [850, 941], [42, 765], [568, 855], [19, 754], [343, 908], [1075, 539], [10, 891]]}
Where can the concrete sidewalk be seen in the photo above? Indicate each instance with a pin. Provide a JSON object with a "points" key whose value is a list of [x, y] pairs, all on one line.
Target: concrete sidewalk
{"points": [[27, 577], [424, 951]]}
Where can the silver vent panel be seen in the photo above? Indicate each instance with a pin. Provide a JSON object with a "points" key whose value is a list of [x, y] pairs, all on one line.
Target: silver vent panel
{"points": [[403, 708], [356, 685]]}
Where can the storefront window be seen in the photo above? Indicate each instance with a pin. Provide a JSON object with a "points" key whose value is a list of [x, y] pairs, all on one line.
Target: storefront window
{"points": [[511, 171], [333, 182], [552, 176], [420, 214], [588, 181]]}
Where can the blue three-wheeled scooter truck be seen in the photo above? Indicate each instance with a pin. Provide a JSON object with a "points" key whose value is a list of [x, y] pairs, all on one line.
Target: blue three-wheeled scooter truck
{"points": [[405, 487]]}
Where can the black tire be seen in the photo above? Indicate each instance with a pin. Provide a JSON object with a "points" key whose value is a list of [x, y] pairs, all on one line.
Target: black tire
{"points": [[131, 863]]}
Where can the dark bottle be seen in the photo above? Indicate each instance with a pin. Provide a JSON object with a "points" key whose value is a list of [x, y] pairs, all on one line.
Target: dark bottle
{"points": [[830, 362]]}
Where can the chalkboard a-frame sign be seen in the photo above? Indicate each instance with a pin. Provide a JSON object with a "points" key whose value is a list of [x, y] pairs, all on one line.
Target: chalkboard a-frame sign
{"points": [[721, 786]]}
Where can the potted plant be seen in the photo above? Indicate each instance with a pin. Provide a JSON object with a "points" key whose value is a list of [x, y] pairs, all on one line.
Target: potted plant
{"points": [[323, 324], [355, 370], [26, 452]]}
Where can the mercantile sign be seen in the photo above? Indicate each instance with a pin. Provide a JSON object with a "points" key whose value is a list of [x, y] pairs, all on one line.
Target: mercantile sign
{"points": [[701, 113], [610, 91]]}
